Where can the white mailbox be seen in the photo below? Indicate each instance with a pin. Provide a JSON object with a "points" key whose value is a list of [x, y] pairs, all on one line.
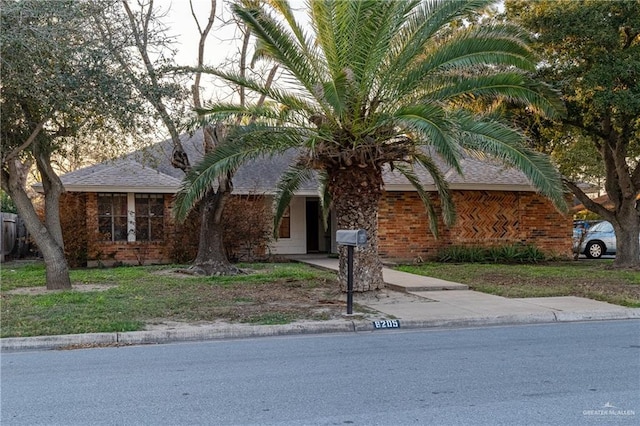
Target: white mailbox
{"points": [[348, 237]]}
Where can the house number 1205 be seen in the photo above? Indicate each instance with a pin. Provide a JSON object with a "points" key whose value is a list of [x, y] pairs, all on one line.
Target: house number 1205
{"points": [[386, 324]]}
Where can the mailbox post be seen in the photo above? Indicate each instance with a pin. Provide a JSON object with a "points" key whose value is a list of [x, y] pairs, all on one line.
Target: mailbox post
{"points": [[351, 239]]}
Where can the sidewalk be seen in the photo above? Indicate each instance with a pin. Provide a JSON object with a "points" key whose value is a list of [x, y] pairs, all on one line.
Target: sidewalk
{"points": [[413, 301], [419, 301]]}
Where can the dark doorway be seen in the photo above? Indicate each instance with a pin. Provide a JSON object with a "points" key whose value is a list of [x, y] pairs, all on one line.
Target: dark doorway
{"points": [[313, 225]]}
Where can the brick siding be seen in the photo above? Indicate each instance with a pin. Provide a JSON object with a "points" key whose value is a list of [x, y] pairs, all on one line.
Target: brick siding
{"points": [[122, 252], [484, 218]]}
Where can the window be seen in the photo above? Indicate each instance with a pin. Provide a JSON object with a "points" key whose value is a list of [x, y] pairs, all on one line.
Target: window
{"points": [[112, 216], [131, 217], [149, 210], [285, 224]]}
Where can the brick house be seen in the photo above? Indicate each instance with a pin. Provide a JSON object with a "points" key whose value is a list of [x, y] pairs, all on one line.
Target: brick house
{"points": [[121, 209]]}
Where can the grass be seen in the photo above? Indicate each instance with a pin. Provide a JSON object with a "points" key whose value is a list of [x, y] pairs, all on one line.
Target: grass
{"points": [[131, 298], [591, 279], [135, 298]]}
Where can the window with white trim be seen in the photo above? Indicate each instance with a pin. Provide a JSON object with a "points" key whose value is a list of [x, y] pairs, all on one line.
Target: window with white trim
{"points": [[131, 217], [112, 216], [149, 210]]}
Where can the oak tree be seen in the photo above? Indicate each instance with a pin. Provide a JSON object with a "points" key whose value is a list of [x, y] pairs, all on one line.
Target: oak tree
{"points": [[590, 51]]}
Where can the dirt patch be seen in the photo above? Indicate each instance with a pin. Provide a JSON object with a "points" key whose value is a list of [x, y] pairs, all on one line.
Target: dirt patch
{"points": [[81, 288]]}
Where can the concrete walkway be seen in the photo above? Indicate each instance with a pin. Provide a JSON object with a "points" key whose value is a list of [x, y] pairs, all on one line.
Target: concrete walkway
{"points": [[395, 280], [412, 301], [429, 302]]}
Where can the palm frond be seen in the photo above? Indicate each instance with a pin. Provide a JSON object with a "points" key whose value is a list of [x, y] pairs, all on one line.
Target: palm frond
{"points": [[243, 143], [284, 8], [288, 184], [230, 113], [431, 123], [442, 187], [335, 93], [362, 24], [466, 57], [285, 98], [426, 19], [411, 176], [355, 36], [225, 159], [282, 46], [500, 46], [377, 38], [512, 87], [306, 44], [507, 145], [322, 20]]}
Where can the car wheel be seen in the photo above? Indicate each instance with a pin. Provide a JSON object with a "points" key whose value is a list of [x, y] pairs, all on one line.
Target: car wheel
{"points": [[594, 250]]}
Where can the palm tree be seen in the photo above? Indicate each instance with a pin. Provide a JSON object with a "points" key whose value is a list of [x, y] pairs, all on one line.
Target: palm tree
{"points": [[373, 85]]}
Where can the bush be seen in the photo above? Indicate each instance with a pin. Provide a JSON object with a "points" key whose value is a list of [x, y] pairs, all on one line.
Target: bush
{"points": [[246, 220], [6, 203], [511, 253], [74, 228]]}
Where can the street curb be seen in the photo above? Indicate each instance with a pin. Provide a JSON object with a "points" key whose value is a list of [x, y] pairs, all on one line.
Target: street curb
{"points": [[191, 333], [518, 319]]}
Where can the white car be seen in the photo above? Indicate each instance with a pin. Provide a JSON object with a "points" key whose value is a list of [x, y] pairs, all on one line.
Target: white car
{"points": [[599, 240]]}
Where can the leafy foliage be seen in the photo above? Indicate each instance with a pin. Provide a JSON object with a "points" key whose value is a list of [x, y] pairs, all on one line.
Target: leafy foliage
{"points": [[246, 228], [375, 86], [590, 51], [512, 253], [8, 206], [60, 90], [372, 84], [55, 69]]}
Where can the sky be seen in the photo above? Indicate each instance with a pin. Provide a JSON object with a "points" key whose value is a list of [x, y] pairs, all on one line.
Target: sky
{"points": [[220, 44], [182, 25], [223, 42]]}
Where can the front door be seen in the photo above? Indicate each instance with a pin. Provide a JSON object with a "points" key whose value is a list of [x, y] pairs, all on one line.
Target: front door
{"points": [[313, 225]]}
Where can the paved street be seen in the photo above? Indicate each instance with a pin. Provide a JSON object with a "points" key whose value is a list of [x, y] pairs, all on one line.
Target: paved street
{"points": [[571, 373]]}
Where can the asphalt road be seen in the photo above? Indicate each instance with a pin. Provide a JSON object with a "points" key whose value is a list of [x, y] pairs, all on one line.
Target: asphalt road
{"points": [[564, 374]]}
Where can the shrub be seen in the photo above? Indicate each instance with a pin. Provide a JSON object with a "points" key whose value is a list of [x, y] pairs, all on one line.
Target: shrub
{"points": [[510, 253], [6, 203], [246, 221], [74, 228]]}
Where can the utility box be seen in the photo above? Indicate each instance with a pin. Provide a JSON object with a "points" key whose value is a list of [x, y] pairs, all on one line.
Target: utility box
{"points": [[354, 238]]}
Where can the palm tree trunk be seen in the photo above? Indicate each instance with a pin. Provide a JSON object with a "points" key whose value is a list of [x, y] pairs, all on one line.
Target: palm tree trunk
{"points": [[356, 193]]}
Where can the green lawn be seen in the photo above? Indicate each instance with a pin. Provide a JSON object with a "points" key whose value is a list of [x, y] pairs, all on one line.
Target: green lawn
{"points": [[135, 298], [592, 279], [129, 298]]}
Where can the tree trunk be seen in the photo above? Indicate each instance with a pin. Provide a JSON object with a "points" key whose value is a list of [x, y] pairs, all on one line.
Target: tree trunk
{"points": [[212, 257], [625, 217], [57, 270], [356, 194], [627, 229]]}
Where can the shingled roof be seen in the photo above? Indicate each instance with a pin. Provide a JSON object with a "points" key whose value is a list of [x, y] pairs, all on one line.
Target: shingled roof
{"points": [[122, 175], [150, 170]]}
